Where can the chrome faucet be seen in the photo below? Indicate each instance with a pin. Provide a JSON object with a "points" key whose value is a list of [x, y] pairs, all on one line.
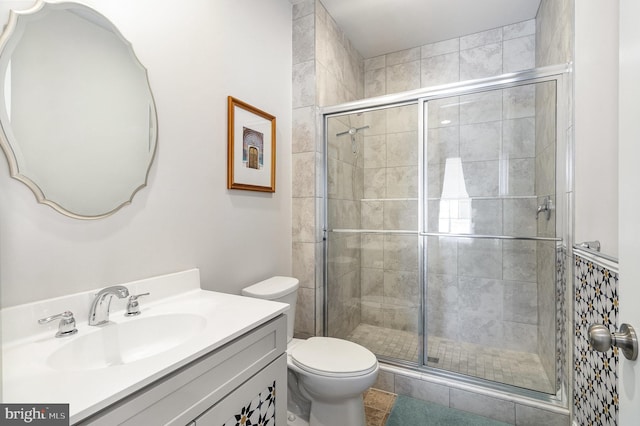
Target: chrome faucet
{"points": [[99, 312]]}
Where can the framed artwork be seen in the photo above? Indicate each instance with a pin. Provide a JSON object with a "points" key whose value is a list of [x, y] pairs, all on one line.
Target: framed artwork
{"points": [[251, 151]]}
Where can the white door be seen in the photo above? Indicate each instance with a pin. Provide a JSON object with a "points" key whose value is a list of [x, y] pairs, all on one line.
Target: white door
{"points": [[629, 202]]}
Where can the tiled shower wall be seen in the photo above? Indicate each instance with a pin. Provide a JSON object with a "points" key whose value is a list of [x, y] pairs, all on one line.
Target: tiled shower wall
{"points": [[390, 291], [485, 54], [321, 78], [483, 291], [479, 132], [554, 45], [554, 36], [546, 252], [344, 191], [326, 71]]}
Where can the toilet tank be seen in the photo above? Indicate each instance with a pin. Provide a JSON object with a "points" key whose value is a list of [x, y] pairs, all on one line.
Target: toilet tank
{"points": [[278, 289]]}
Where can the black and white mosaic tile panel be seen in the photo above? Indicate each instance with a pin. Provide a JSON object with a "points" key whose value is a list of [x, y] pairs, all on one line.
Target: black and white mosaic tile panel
{"points": [[561, 316], [261, 411], [595, 393]]}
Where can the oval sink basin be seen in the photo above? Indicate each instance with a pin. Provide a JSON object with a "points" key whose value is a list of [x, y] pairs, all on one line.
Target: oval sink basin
{"points": [[126, 342]]}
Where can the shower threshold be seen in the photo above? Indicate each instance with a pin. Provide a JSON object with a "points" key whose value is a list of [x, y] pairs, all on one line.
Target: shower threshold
{"points": [[521, 369]]}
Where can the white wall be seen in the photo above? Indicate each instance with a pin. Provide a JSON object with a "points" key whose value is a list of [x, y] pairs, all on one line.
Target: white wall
{"points": [[629, 292], [596, 125], [196, 55]]}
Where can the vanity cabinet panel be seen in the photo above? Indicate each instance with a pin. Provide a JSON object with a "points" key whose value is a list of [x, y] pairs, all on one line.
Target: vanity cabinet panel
{"points": [[258, 400], [187, 393]]}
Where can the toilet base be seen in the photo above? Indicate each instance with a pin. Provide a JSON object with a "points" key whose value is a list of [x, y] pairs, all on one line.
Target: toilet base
{"points": [[347, 412], [294, 420]]}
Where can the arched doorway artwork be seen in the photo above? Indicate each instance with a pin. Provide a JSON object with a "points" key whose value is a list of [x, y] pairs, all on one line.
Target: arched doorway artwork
{"points": [[253, 158], [252, 148]]}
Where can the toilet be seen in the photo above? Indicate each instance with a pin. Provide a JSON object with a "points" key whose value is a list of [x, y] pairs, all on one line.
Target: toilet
{"points": [[327, 376]]}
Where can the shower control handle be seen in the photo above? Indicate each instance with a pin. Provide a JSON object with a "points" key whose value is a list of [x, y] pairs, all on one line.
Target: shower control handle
{"points": [[601, 339], [546, 206]]}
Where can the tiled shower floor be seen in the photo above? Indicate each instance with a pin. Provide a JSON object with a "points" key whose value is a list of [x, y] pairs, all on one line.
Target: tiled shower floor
{"points": [[521, 369]]}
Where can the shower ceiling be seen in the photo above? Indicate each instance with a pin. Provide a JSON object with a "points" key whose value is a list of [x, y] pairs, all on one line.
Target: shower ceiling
{"points": [[376, 27]]}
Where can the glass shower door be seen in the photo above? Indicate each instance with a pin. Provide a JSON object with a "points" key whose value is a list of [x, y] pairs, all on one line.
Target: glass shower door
{"points": [[490, 255], [444, 233], [373, 254]]}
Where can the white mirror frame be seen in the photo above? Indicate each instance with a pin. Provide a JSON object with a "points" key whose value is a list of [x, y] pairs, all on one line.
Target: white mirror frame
{"points": [[6, 134]]}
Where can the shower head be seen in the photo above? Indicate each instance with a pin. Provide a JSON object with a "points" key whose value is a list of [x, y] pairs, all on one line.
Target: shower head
{"points": [[352, 131]]}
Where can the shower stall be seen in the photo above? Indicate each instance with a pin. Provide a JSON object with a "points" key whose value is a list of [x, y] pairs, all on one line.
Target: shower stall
{"points": [[446, 220]]}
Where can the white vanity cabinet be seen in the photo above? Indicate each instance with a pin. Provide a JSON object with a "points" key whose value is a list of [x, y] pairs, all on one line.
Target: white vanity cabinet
{"points": [[245, 377]]}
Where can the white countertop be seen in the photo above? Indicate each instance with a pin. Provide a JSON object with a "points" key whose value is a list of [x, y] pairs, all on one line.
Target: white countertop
{"points": [[28, 378]]}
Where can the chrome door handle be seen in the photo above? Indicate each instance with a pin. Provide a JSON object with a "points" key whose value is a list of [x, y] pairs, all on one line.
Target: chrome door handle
{"points": [[601, 339]]}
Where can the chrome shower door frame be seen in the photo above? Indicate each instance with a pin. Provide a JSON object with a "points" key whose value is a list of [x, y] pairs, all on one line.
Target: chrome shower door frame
{"points": [[561, 74]]}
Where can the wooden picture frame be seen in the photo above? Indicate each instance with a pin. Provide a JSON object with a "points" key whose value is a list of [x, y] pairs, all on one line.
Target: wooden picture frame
{"points": [[251, 150]]}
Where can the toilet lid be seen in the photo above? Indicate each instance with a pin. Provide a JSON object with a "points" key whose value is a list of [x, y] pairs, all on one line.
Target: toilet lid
{"points": [[333, 357]]}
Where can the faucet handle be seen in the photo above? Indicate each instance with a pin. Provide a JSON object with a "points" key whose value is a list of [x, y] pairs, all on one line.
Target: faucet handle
{"points": [[67, 326], [133, 306]]}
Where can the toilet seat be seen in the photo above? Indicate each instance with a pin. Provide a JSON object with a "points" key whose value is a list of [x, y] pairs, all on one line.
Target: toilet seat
{"points": [[327, 356]]}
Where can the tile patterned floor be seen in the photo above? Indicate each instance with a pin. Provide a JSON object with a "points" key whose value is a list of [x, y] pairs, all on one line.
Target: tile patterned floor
{"points": [[520, 369], [377, 406], [386, 342]]}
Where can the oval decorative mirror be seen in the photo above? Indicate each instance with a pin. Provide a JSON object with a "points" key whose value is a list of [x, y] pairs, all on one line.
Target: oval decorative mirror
{"points": [[77, 117]]}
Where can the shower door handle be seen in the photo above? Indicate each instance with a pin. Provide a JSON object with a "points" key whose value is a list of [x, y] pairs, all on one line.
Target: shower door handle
{"points": [[601, 339]]}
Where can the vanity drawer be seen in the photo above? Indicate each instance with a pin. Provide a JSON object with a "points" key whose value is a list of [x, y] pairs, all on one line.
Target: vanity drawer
{"points": [[185, 394]]}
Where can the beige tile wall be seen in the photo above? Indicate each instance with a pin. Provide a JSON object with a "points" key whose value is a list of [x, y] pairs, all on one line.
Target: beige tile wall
{"points": [[554, 45], [484, 129], [326, 70], [319, 49]]}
